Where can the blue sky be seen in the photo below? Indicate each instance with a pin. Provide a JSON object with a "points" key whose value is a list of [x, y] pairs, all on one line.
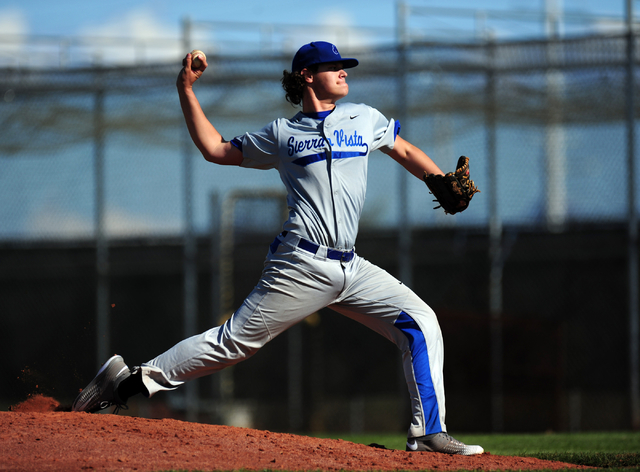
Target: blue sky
{"points": [[360, 22], [75, 17]]}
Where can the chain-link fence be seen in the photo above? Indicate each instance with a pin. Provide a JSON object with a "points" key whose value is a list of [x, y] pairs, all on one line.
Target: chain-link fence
{"points": [[96, 162], [556, 110]]}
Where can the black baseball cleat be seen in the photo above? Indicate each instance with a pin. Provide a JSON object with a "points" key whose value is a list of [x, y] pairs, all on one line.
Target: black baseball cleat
{"points": [[442, 442], [102, 392]]}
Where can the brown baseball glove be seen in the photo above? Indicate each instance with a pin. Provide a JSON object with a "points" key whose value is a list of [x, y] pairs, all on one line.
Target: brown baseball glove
{"points": [[454, 190]]}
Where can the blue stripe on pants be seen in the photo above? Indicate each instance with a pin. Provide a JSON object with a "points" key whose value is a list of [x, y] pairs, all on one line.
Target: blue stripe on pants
{"points": [[421, 371]]}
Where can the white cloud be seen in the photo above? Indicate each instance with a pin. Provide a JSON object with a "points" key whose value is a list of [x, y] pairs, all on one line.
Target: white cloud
{"points": [[335, 26], [141, 38], [139, 23], [344, 33], [13, 22], [149, 38]]}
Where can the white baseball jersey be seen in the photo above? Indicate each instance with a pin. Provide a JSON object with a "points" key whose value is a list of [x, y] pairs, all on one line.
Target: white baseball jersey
{"points": [[322, 159], [323, 165]]}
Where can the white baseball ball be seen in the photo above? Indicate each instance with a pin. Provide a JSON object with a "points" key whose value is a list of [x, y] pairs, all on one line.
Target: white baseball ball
{"points": [[197, 57]]}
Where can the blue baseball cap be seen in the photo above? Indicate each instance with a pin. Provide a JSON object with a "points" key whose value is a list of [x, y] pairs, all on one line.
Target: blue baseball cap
{"points": [[319, 52]]}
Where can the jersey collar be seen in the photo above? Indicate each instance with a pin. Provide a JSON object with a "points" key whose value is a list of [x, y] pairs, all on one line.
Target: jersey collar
{"points": [[318, 115]]}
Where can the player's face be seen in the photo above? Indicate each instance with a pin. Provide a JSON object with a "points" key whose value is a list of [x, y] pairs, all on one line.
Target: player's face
{"points": [[330, 82]]}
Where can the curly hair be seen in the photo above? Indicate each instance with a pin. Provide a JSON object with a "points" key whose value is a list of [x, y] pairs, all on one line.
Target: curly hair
{"points": [[293, 84]]}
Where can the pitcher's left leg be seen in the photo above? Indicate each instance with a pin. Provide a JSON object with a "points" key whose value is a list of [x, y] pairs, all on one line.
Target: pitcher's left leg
{"points": [[378, 300], [423, 361]]}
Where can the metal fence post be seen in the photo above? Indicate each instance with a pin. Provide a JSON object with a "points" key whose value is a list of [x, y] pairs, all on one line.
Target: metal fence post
{"points": [[495, 249], [190, 249], [103, 330], [634, 379], [404, 225]]}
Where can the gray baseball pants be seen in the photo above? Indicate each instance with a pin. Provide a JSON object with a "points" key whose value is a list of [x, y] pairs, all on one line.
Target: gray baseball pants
{"points": [[296, 283]]}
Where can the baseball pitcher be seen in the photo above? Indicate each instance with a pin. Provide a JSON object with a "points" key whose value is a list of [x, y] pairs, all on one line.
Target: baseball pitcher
{"points": [[321, 154]]}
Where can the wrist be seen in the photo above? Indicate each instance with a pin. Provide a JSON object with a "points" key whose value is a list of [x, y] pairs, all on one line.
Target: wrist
{"points": [[185, 89]]}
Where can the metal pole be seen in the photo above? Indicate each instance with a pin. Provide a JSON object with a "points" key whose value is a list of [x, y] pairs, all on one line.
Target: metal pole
{"points": [[216, 307], [295, 381], [296, 353], [225, 302], [190, 278], [404, 230], [495, 251], [404, 225], [633, 227], [103, 332], [225, 276], [189, 255], [555, 142]]}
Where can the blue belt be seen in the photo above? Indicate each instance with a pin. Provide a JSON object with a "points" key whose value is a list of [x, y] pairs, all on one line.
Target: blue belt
{"points": [[335, 254]]}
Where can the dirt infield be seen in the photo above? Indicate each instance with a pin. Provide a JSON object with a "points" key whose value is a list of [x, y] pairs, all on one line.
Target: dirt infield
{"points": [[34, 436]]}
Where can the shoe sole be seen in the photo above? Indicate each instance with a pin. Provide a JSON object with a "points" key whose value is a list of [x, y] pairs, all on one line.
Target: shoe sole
{"points": [[453, 447], [468, 451], [82, 401]]}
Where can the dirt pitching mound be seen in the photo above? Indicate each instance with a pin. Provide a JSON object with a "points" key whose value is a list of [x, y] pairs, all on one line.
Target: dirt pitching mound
{"points": [[35, 435]]}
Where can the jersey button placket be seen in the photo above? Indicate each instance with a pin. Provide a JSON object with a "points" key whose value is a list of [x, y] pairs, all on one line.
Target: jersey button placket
{"points": [[332, 180]]}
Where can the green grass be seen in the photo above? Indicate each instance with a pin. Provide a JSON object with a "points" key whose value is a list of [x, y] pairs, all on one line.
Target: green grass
{"points": [[610, 450]]}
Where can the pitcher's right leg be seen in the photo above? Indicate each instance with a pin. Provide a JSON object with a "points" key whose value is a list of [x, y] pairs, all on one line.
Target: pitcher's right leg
{"points": [[293, 286]]}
